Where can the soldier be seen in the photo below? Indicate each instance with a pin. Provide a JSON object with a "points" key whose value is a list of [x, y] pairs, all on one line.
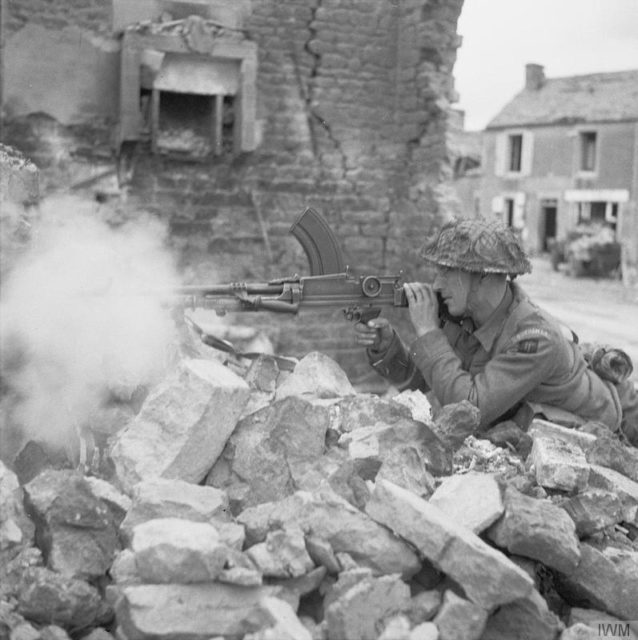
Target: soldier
{"points": [[496, 348]]}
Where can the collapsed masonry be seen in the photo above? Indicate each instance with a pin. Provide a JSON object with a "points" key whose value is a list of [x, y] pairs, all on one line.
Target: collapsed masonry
{"points": [[249, 502]]}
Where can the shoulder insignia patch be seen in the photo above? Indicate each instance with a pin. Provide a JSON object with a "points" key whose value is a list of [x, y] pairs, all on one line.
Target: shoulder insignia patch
{"points": [[528, 346]]}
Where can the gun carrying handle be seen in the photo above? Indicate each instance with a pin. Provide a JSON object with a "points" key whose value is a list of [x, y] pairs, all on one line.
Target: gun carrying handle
{"points": [[319, 243]]}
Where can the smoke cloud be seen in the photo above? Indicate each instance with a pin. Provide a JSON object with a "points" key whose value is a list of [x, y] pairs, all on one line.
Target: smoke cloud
{"points": [[73, 327]]}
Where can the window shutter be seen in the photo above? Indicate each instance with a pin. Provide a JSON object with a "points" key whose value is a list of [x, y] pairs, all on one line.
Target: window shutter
{"points": [[498, 205], [528, 153], [518, 219], [500, 154]]}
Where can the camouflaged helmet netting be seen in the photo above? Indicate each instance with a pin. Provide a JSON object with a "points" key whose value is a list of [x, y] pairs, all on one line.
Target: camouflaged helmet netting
{"points": [[478, 246]]}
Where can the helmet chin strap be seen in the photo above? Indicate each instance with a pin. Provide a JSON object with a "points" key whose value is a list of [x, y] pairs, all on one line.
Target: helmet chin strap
{"points": [[472, 297]]}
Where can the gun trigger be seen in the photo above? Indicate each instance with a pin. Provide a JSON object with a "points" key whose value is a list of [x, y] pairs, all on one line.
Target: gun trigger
{"points": [[357, 314]]}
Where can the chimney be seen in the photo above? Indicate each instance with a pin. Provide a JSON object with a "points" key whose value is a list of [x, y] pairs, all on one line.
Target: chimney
{"points": [[534, 76]]}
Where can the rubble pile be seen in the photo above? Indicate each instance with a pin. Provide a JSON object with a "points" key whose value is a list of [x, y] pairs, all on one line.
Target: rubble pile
{"points": [[258, 504]]}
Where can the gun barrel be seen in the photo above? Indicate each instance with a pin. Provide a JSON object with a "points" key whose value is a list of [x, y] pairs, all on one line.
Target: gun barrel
{"points": [[258, 289]]}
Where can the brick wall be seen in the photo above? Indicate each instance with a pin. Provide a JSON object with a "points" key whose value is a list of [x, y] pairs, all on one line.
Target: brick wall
{"points": [[351, 109]]}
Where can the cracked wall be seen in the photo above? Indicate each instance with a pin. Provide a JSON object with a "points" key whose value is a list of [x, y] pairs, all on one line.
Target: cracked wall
{"points": [[352, 97]]}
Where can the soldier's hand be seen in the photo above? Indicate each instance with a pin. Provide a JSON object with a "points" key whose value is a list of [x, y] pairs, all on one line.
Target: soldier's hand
{"points": [[376, 334], [423, 306]]}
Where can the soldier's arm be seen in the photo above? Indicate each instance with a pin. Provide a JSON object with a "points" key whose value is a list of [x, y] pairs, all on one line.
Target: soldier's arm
{"points": [[527, 360], [395, 365]]}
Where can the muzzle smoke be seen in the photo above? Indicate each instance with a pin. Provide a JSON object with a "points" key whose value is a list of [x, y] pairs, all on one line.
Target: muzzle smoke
{"points": [[72, 328]]}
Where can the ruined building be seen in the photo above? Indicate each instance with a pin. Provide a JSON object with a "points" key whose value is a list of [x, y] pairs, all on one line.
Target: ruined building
{"points": [[227, 118]]}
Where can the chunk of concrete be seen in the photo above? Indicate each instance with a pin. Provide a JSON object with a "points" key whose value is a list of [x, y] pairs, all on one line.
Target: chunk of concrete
{"points": [[526, 619], [593, 510], [50, 598], [183, 425], [472, 500], [366, 410], [282, 555], [488, 577], [537, 529], [606, 580], [261, 456], [171, 550], [77, 530], [417, 402], [546, 429], [161, 498], [193, 611], [359, 611], [623, 487], [609, 452], [380, 440], [285, 623], [455, 422], [559, 464], [332, 518], [317, 375], [459, 619]]}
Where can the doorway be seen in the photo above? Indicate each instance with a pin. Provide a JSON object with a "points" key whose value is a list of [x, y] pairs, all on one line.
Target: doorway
{"points": [[549, 214]]}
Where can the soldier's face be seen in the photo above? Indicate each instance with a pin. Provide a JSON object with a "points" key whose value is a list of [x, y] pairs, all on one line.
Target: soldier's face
{"points": [[454, 286]]}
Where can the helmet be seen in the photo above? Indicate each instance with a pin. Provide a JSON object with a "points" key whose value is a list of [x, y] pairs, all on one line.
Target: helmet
{"points": [[478, 246]]}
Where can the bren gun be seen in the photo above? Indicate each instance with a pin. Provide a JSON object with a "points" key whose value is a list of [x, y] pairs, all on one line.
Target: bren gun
{"points": [[331, 285]]}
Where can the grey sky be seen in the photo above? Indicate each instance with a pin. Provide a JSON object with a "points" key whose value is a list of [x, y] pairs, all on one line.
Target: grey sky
{"points": [[568, 37]]}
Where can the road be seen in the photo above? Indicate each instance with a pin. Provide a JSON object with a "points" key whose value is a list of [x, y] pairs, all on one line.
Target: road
{"points": [[598, 310]]}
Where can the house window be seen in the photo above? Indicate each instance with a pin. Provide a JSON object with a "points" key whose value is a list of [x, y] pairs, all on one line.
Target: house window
{"points": [[588, 151], [515, 155]]}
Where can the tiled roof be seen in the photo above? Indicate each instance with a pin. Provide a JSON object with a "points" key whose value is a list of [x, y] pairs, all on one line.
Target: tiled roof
{"points": [[590, 98]]}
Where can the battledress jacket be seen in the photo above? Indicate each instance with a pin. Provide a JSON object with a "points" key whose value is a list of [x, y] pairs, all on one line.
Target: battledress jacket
{"points": [[520, 354]]}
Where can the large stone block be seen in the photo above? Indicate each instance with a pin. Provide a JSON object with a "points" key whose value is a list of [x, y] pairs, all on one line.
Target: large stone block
{"points": [[623, 487], [593, 510], [77, 530], [559, 464], [50, 598], [459, 619], [171, 550], [193, 611], [525, 619], [606, 580], [183, 426], [317, 375], [487, 576], [267, 449], [336, 521], [359, 610], [537, 529], [282, 555], [161, 498], [472, 500]]}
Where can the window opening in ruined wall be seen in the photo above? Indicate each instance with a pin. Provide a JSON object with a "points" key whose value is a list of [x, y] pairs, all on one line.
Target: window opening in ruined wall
{"points": [[191, 125], [188, 87]]}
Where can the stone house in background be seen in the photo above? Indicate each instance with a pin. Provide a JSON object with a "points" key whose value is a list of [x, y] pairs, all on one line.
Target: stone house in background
{"points": [[226, 118], [565, 151]]}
